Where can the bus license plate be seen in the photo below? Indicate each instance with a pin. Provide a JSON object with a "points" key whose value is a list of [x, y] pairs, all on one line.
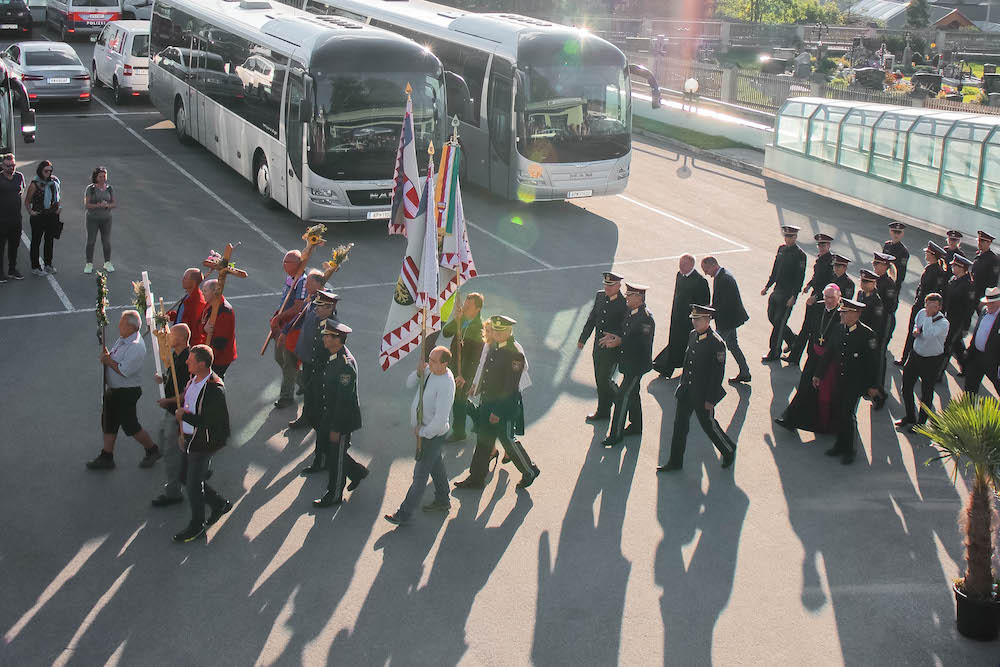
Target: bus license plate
{"points": [[379, 215], [579, 193], [60, 79]]}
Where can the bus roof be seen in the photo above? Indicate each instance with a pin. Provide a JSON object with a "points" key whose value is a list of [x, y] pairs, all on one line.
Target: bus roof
{"points": [[489, 30]]}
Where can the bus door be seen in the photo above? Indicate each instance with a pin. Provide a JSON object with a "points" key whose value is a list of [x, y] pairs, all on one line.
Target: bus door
{"points": [[295, 137], [195, 103], [500, 115]]}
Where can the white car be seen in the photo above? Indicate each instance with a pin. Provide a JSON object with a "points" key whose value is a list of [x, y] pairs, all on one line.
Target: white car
{"points": [[121, 59]]}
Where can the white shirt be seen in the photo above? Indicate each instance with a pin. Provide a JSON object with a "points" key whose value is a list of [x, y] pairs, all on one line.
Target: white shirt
{"points": [[930, 342], [983, 329], [439, 394], [130, 353], [191, 401]]}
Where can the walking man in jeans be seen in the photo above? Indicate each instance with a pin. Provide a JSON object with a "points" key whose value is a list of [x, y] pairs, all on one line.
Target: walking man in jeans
{"points": [[204, 421], [11, 194], [729, 313], [432, 427]]}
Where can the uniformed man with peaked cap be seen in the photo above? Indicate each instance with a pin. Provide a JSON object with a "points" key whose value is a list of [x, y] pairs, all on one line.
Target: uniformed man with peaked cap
{"points": [[894, 246], [954, 247], [636, 343], [840, 277], [787, 275], [986, 266], [959, 305], [885, 285], [606, 316], [700, 390], [822, 276]]}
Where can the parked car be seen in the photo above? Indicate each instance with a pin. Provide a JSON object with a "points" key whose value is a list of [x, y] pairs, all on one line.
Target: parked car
{"points": [[80, 17], [121, 59], [15, 15], [49, 70]]}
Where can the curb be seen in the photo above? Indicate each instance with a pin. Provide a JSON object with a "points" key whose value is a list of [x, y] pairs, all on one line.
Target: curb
{"points": [[701, 153]]}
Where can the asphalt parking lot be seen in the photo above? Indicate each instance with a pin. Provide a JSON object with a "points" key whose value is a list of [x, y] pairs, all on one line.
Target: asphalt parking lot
{"points": [[789, 558]]}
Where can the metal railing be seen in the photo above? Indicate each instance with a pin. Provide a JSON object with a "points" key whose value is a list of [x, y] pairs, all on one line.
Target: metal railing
{"points": [[948, 105], [862, 94]]}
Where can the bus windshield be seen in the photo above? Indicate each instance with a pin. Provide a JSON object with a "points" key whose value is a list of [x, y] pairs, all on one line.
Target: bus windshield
{"points": [[359, 116]]}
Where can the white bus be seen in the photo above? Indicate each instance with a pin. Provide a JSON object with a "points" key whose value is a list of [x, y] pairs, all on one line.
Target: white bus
{"points": [[552, 105], [11, 90], [308, 109]]}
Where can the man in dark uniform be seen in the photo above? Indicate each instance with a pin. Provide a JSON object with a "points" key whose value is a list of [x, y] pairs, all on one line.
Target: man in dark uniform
{"points": [[787, 274], [854, 359], [875, 318], [606, 316], [501, 411], [314, 357], [821, 277], [729, 313], [885, 269], [986, 266], [933, 279], [466, 333], [690, 287], [959, 305], [700, 390], [953, 248], [341, 414], [840, 277], [894, 246], [636, 344]]}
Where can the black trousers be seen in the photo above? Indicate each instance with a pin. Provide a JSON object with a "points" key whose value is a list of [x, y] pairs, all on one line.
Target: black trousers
{"points": [[777, 314], [883, 357], [925, 369], [976, 368], [605, 365], [847, 423], [10, 237], [682, 424], [954, 346], [460, 409], [627, 404], [812, 316], [43, 229], [197, 470], [908, 346], [486, 439], [339, 463]]}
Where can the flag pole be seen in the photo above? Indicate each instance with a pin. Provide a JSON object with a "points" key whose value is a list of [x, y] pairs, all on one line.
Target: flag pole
{"points": [[423, 334], [458, 274]]}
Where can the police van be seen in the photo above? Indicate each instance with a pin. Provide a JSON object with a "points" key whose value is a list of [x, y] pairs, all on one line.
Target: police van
{"points": [[81, 17]]}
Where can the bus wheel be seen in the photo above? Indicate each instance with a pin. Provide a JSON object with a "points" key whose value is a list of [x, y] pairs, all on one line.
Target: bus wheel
{"points": [[262, 182], [180, 123]]}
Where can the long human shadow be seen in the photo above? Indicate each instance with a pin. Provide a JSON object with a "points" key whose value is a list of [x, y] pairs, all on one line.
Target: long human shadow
{"points": [[581, 596], [401, 622]]}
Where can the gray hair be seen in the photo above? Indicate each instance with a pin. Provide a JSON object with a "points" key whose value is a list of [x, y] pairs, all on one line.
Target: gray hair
{"points": [[317, 276], [210, 285], [132, 317]]}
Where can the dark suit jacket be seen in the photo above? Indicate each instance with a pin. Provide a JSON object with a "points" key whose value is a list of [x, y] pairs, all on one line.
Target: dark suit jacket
{"points": [[992, 344], [729, 310]]}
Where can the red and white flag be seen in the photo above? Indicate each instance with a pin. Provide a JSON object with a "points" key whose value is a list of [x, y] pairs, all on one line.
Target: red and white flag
{"points": [[405, 179]]}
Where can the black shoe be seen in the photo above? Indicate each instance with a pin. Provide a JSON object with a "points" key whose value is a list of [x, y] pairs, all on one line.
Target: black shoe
{"points": [[597, 417], [397, 519], [163, 500], [327, 500], [847, 459], [190, 534], [317, 465], [435, 506], [217, 512], [728, 460], [152, 456], [833, 451], [611, 441], [790, 360], [780, 421], [102, 462], [3, 277], [283, 403], [296, 424], [632, 429], [899, 362], [470, 483], [356, 482], [670, 467], [506, 457], [15, 274], [528, 481], [740, 379], [457, 437], [905, 424], [769, 358]]}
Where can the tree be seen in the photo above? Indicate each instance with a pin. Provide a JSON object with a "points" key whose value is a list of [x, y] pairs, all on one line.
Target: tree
{"points": [[780, 11], [918, 14]]}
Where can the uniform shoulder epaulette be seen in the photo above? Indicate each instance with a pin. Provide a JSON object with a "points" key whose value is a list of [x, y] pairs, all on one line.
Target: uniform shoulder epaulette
{"points": [[718, 338]]}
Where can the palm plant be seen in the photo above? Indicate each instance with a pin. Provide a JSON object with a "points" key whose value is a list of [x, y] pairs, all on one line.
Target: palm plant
{"points": [[967, 432]]}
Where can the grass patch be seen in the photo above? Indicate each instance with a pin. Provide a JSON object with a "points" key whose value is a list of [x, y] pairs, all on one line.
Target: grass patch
{"points": [[690, 137]]}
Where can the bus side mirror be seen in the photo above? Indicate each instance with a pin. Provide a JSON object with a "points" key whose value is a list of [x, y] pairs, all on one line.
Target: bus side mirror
{"points": [[654, 89], [308, 103], [28, 126], [459, 98]]}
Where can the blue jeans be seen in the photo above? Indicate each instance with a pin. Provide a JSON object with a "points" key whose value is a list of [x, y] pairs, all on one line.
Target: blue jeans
{"points": [[430, 465], [729, 336]]}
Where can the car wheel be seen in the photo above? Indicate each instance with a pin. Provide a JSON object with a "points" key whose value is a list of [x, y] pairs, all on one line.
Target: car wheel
{"points": [[180, 123], [63, 35], [117, 92], [93, 75], [262, 182]]}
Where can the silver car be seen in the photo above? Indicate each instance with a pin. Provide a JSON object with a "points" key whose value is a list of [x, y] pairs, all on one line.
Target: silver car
{"points": [[49, 70]]}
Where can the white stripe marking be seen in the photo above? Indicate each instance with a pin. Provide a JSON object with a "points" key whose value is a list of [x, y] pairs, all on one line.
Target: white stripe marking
{"points": [[682, 221], [239, 216], [52, 281], [114, 112]]}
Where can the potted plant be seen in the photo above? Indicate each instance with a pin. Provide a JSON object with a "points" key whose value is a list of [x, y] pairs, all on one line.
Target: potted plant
{"points": [[967, 432]]}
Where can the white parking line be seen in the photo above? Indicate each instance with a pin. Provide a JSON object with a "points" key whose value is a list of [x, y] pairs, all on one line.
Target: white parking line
{"points": [[99, 114], [114, 112], [682, 221], [239, 216], [52, 281]]}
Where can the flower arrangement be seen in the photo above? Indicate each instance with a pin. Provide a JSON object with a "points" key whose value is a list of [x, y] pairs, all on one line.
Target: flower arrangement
{"points": [[314, 235], [139, 295], [340, 255], [160, 319], [102, 300], [216, 262]]}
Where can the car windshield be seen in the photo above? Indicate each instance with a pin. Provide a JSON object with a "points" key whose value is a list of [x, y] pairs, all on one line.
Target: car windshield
{"points": [[34, 58], [359, 118], [140, 46]]}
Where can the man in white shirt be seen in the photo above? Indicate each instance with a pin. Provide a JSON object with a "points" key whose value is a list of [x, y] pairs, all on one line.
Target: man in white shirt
{"points": [[432, 427], [930, 330], [122, 366], [983, 356]]}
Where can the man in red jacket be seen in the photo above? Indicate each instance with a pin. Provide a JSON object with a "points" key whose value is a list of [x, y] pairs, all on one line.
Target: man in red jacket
{"points": [[189, 309], [222, 336]]}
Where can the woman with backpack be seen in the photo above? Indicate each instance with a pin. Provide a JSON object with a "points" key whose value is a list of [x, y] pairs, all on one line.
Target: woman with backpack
{"points": [[98, 200]]}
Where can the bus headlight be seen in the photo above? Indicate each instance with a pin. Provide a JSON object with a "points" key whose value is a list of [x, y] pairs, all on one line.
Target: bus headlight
{"points": [[321, 192], [623, 172], [325, 196], [532, 175]]}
